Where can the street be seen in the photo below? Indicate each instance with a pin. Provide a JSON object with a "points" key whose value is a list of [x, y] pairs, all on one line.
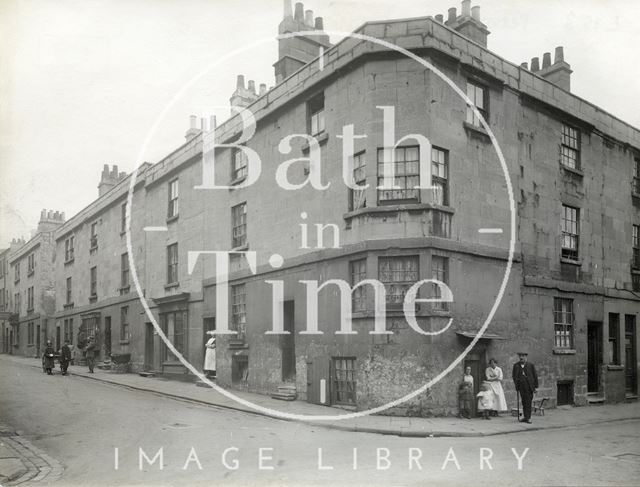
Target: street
{"points": [[81, 423]]}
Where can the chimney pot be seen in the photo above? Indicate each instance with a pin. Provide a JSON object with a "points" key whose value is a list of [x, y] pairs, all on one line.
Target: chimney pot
{"points": [[546, 60], [559, 54], [466, 8], [439, 18], [240, 82], [525, 66], [192, 121], [299, 12], [535, 64], [62, 216], [319, 23], [252, 86], [475, 13], [43, 214], [288, 11], [308, 17], [50, 215], [452, 14], [263, 89]]}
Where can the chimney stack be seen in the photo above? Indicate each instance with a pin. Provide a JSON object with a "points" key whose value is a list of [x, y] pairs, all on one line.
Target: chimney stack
{"points": [[263, 89], [525, 66], [439, 18], [535, 64], [288, 10], [559, 73], [49, 220], [452, 15], [252, 86], [109, 178], [466, 8], [296, 51], [468, 24], [243, 97]]}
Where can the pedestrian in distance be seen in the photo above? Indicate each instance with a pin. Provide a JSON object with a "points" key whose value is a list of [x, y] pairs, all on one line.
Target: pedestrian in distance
{"points": [[47, 358], [90, 354], [525, 379], [65, 357]]}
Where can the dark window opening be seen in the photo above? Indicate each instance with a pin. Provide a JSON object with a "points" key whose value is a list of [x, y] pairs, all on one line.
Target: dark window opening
{"points": [[565, 392], [239, 368], [344, 381]]}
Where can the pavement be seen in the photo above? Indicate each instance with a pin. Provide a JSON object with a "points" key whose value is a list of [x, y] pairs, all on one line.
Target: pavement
{"points": [[21, 461], [563, 417]]}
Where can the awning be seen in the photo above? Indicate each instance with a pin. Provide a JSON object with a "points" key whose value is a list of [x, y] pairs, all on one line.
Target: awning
{"points": [[485, 336]]}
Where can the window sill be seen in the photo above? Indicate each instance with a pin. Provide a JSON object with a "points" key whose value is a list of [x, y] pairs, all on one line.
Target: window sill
{"points": [[16, 281], [564, 351], [93, 299], [68, 262], [241, 248], [236, 181], [565, 260], [124, 290], [30, 273], [30, 310], [68, 306], [476, 131], [93, 249], [572, 170], [321, 139], [635, 270], [172, 218], [171, 285], [395, 208], [615, 367], [124, 342]]}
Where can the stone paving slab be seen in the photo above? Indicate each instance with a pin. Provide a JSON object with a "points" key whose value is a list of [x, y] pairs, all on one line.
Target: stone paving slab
{"points": [[11, 469], [385, 425]]}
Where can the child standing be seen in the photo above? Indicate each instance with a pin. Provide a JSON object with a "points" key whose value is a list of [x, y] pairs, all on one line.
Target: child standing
{"points": [[485, 400], [465, 394]]}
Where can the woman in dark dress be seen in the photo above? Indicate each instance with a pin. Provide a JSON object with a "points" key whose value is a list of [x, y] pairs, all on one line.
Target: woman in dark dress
{"points": [[47, 358]]}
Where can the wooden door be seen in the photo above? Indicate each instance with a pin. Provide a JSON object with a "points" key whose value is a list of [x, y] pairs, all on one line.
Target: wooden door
{"points": [[288, 344], [319, 381], [148, 346], [594, 355], [630, 360]]}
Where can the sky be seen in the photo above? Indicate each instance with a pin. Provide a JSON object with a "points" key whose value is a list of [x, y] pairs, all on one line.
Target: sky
{"points": [[82, 82]]}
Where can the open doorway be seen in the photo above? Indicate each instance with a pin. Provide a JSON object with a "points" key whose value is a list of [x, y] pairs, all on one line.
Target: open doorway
{"points": [[594, 355]]}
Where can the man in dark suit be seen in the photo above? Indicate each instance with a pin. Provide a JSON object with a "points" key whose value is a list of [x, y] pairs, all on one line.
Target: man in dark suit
{"points": [[526, 382], [65, 357]]}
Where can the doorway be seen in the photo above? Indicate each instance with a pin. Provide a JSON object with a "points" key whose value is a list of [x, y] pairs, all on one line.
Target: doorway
{"points": [[594, 355], [38, 341], [478, 364], [630, 365], [148, 347], [287, 344], [107, 336], [58, 337]]}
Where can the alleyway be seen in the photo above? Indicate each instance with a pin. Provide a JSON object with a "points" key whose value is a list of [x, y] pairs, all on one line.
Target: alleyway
{"points": [[79, 423]]}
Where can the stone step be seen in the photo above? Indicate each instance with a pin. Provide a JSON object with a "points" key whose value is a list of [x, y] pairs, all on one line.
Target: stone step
{"points": [[147, 374], [283, 397], [595, 399]]}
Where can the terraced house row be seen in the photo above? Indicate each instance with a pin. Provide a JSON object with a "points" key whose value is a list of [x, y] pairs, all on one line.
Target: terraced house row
{"points": [[572, 298]]}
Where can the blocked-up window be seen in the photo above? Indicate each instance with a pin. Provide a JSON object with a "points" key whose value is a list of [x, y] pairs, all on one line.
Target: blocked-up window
{"points": [[358, 272], [124, 270], [570, 147], [357, 197], [563, 322], [398, 274], [479, 97], [94, 282], [570, 232], [69, 291]]}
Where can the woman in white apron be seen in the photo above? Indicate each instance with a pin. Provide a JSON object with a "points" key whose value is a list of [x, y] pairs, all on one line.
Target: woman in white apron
{"points": [[494, 378], [210, 356]]}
